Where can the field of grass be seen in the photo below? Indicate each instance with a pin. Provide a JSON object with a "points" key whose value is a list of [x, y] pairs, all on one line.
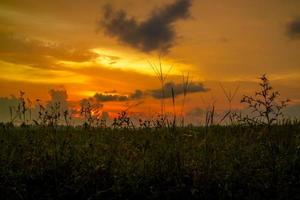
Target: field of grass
{"points": [[217, 162], [252, 157]]}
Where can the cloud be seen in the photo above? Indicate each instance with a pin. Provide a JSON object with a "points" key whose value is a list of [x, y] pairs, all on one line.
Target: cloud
{"points": [[59, 96], [91, 102], [178, 89], [5, 103], [157, 32], [104, 97], [156, 93], [111, 91], [110, 97], [19, 49], [293, 29], [137, 94]]}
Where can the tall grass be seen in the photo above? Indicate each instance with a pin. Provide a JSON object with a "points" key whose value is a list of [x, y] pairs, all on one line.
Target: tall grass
{"points": [[162, 76]]}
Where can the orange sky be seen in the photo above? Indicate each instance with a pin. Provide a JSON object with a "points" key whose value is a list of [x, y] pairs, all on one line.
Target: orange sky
{"points": [[65, 44]]}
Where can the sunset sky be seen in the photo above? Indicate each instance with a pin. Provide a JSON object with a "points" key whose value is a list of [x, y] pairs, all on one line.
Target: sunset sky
{"points": [[104, 49]]}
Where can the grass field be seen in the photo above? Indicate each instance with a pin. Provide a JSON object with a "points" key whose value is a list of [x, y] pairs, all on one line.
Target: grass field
{"points": [[218, 162]]}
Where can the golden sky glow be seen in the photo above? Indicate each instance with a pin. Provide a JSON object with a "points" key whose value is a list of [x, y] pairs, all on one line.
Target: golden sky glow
{"points": [[49, 44]]}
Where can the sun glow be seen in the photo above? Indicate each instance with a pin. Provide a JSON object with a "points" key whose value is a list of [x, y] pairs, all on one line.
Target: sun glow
{"points": [[127, 61], [130, 61]]}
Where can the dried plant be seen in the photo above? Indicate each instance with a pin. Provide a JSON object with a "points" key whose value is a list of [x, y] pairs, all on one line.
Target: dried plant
{"points": [[67, 117], [21, 109], [162, 77], [209, 111], [19, 112], [122, 121], [230, 97], [185, 85], [264, 105], [145, 123], [51, 115], [91, 112], [174, 108]]}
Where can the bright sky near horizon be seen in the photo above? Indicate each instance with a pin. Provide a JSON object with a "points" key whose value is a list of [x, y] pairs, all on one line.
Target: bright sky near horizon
{"points": [[106, 47]]}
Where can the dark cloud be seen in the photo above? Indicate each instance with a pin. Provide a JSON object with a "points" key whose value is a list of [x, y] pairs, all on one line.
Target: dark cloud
{"points": [[156, 93], [178, 89], [104, 97], [111, 91], [137, 94], [85, 103], [22, 50], [109, 97], [157, 32], [293, 29]]}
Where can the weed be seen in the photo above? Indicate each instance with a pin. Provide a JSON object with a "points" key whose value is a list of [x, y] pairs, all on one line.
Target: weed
{"points": [[264, 105]]}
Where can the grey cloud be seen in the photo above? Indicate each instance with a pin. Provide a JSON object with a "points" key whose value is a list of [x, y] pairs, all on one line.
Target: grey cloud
{"points": [[91, 102], [110, 97], [137, 94], [178, 89], [156, 93], [293, 29], [157, 32], [104, 97], [111, 91]]}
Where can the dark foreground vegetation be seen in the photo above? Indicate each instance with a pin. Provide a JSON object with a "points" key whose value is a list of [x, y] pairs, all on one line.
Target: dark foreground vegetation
{"points": [[217, 162], [256, 156]]}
